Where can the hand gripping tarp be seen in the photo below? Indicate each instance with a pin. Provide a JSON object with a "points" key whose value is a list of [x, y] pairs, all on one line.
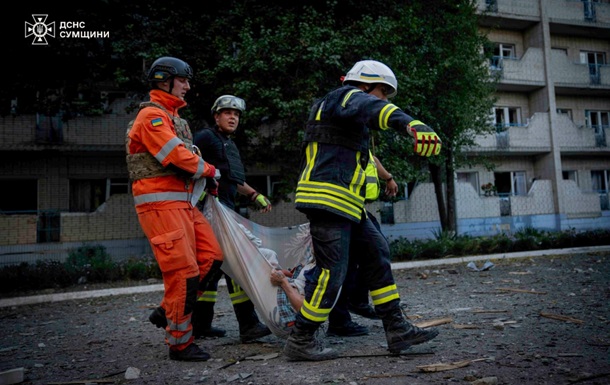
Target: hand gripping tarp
{"points": [[244, 245]]}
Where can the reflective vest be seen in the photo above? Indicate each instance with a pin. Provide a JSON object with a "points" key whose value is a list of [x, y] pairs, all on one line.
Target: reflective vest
{"points": [[372, 180], [143, 165], [160, 158]]}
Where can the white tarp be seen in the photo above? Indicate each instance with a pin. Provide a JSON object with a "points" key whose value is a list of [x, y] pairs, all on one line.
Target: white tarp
{"points": [[246, 263]]}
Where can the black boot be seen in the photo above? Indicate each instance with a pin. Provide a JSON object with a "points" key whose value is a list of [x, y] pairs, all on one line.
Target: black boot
{"points": [[157, 318], [202, 321], [250, 328], [302, 344], [400, 333], [191, 353]]}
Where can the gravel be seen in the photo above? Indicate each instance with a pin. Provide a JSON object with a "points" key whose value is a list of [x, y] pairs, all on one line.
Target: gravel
{"points": [[538, 320]]}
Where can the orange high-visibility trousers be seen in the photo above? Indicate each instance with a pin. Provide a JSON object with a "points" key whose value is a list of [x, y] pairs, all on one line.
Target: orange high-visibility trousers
{"points": [[185, 247]]}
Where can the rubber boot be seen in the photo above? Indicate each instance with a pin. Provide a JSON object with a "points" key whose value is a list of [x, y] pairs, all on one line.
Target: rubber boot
{"points": [[303, 345], [202, 321], [400, 333], [250, 328]]}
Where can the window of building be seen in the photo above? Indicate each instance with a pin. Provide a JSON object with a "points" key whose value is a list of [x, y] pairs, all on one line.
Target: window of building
{"points": [[507, 117], [511, 183], [117, 186], [469, 177], [597, 120], [86, 195], [565, 111], [18, 195], [500, 52], [594, 60], [600, 180], [570, 175]]}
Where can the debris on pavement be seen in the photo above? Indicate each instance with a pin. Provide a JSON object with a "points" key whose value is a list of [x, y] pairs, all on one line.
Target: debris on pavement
{"points": [[441, 367], [486, 266], [561, 317]]}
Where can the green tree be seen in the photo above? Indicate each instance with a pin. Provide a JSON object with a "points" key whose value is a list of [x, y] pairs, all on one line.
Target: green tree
{"points": [[280, 57]]}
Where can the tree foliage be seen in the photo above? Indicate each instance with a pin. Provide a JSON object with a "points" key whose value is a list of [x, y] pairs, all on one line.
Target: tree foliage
{"points": [[280, 57]]}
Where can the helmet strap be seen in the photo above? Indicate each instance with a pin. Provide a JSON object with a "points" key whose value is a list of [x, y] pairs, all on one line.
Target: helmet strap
{"points": [[370, 88]]}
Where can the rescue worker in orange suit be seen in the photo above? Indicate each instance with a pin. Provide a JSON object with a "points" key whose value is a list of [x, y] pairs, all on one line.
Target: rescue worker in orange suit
{"points": [[219, 149], [331, 193], [168, 177]]}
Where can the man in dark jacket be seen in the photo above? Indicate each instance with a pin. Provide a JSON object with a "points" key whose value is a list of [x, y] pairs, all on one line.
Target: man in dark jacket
{"points": [[331, 192], [218, 148]]}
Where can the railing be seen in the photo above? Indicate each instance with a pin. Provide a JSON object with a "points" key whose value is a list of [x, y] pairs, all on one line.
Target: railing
{"points": [[49, 129], [589, 9], [604, 201], [595, 75], [504, 204], [600, 135], [48, 226], [491, 5]]}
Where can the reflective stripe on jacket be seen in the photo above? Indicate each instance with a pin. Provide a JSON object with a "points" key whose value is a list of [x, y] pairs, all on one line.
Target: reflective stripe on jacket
{"points": [[336, 137], [154, 132]]}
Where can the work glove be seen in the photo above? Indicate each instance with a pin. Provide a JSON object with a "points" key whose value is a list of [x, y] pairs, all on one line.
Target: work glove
{"points": [[213, 172], [427, 142], [212, 186], [261, 201]]}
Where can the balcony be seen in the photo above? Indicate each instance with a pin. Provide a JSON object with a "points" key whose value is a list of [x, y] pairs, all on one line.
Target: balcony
{"points": [[532, 138], [578, 139], [579, 78], [580, 18], [520, 75]]}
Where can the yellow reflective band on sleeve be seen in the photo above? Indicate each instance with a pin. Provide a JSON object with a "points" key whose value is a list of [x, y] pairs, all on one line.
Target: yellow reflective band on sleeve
{"points": [[384, 295], [208, 296], [384, 115]]}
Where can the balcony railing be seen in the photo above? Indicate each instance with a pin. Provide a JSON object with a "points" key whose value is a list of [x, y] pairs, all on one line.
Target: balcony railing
{"points": [[600, 135]]}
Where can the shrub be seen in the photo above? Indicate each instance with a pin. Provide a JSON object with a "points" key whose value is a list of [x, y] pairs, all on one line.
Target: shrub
{"points": [[96, 265]]}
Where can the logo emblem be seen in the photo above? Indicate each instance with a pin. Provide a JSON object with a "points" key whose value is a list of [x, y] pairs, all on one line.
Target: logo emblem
{"points": [[40, 29]]}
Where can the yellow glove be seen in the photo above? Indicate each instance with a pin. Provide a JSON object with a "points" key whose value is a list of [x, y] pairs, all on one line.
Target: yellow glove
{"points": [[261, 201], [427, 142]]}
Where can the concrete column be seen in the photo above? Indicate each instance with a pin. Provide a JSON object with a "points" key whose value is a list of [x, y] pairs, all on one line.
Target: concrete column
{"points": [[550, 165]]}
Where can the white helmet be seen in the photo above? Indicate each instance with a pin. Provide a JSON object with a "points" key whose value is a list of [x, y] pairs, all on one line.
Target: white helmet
{"points": [[372, 71]]}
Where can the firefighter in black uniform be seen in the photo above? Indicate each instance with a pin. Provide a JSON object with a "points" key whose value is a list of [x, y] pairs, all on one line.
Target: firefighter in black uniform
{"points": [[218, 148], [331, 192]]}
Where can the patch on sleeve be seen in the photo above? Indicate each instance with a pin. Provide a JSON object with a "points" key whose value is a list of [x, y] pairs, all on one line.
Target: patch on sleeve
{"points": [[156, 122]]}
